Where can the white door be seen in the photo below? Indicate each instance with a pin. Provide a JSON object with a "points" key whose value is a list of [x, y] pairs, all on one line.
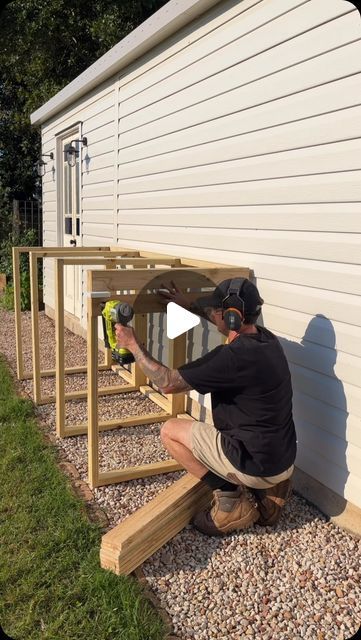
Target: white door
{"points": [[71, 219]]}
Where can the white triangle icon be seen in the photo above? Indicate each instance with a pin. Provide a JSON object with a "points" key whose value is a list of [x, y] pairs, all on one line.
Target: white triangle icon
{"points": [[179, 320]]}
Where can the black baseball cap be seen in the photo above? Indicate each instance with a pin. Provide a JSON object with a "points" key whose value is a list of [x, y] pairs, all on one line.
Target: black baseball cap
{"points": [[250, 296]]}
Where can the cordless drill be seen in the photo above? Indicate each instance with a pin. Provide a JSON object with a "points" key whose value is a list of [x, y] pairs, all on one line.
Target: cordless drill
{"points": [[115, 312]]}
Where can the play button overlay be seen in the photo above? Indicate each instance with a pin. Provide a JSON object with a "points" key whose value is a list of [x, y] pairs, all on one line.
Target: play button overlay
{"points": [[179, 320]]}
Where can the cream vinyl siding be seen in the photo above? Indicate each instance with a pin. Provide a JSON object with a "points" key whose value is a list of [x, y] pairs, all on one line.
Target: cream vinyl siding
{"points": [[97, 114], [240, 143]]}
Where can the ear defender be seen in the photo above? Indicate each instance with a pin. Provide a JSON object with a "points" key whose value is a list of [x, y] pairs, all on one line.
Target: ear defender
{"points": [[232, 319]]}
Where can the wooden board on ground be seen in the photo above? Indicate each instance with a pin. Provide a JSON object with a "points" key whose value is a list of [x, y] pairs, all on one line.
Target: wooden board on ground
{"points": [[133, 541]]}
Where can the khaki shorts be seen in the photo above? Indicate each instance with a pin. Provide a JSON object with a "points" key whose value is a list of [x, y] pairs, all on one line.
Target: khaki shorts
{"points": [[206, 447]]}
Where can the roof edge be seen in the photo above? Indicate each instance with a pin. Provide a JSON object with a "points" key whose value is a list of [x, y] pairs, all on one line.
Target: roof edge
{"points": [[162, 24]]}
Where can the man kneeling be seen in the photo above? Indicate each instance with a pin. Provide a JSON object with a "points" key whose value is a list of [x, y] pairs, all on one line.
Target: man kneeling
{"points": [[252, 445]]}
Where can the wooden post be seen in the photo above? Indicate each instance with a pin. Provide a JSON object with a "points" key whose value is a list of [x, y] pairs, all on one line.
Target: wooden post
{"points": [[177, 357], [17, 311], [92, 361], [141, 330], [59, 342], [34, 294]]}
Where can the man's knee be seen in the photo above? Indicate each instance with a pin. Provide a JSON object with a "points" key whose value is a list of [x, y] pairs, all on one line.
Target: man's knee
{"points": [[168, 430]]}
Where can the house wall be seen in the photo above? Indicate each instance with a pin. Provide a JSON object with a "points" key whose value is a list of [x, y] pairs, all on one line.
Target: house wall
{"points": [[239, 142], [98, 116]]}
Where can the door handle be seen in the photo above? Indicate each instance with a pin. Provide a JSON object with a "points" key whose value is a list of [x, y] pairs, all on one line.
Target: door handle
{"points": [[73, 242]]}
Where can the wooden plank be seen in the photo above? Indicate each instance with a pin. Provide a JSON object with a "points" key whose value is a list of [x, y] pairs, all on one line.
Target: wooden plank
{"points": [[137, 262], [140, 471], [177, 357], [34, 295], [141, 331], [59, 350], [156, 397], [49, 373], [131, 542], [129, 279], [92, 359], [78, 395], [17, 313], [132, 421]]}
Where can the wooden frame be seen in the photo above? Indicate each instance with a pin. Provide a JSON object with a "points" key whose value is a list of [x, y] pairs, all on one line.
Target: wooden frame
{"points": [[40, 252], [135, 378], [103, 285]]}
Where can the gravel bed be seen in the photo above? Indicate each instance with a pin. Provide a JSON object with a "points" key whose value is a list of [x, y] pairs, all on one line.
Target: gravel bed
{"points": [[299, 580]]}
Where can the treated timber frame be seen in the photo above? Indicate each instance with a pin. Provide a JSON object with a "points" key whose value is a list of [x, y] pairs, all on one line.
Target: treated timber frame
{"points": [[135, 378], [103, 285], [40, 252]]}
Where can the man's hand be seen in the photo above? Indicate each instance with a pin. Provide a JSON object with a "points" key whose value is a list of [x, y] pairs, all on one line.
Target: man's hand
{"points": [[171, 293], [125, 337]]}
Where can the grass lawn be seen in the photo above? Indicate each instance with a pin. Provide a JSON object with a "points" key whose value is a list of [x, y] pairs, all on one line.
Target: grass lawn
{"points": [[51, 584]]}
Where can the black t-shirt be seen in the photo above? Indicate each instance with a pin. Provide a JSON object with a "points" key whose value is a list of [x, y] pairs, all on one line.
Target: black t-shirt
{"points": [[250, 385]]}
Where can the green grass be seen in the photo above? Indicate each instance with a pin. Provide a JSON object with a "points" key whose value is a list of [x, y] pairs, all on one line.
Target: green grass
{"points": [[51, 584]]}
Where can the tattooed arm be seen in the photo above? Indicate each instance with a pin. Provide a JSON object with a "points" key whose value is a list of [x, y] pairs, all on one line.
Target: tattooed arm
{"points": [[168, 380]]}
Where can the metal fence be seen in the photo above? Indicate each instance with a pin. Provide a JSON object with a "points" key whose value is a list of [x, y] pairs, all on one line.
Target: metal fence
{"points": [[27, 215]]}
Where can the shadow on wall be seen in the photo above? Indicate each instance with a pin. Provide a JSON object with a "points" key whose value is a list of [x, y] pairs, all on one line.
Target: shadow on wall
{"points": [[320, 408]]}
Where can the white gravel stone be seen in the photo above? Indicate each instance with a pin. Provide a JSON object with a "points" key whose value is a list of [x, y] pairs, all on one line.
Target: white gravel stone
{"points": [[300, 580]]}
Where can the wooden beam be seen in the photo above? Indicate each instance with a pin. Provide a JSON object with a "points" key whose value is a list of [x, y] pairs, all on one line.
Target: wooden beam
{"points": [[59, 351], [140, 471], [156, 397], [177, 357], [128, 279], [135, 539], [132, 421], [92, 360], [34, 295], [49, 373], [17, 313], [78, 395]]}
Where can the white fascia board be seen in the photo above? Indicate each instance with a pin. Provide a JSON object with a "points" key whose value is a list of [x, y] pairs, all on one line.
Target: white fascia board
{"points": [[162, 24]]}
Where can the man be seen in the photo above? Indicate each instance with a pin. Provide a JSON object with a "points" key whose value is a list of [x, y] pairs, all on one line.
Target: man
{"points": [[252, 444]]}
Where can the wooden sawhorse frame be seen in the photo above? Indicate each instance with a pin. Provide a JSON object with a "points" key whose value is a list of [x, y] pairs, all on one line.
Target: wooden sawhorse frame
{"points": [[135, 377], [105, 285]]}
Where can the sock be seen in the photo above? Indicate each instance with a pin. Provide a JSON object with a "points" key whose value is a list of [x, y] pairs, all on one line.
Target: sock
{"points": [[216, 482]]}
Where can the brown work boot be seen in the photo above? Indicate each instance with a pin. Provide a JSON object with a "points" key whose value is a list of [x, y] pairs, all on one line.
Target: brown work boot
{"points": [[270, 502], [231, 510]]}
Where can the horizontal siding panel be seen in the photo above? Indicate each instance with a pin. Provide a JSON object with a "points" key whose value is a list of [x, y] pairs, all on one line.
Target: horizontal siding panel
{"points": [[332, 304], [98, 189], [338, 187], [314, 329], [102, 136], [328, 158], [345, 217], [323, 99], [106, 144], [268, 50], [98, 177], [94, 230], [332, 476], [98, 121], [238, 28], [320, 130], [92, 163], [331, 420], [327, 361], [86, 107], [97, 216], [332, 247], [318, 71], [334, 449], [97, 203], [325, 389]]}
